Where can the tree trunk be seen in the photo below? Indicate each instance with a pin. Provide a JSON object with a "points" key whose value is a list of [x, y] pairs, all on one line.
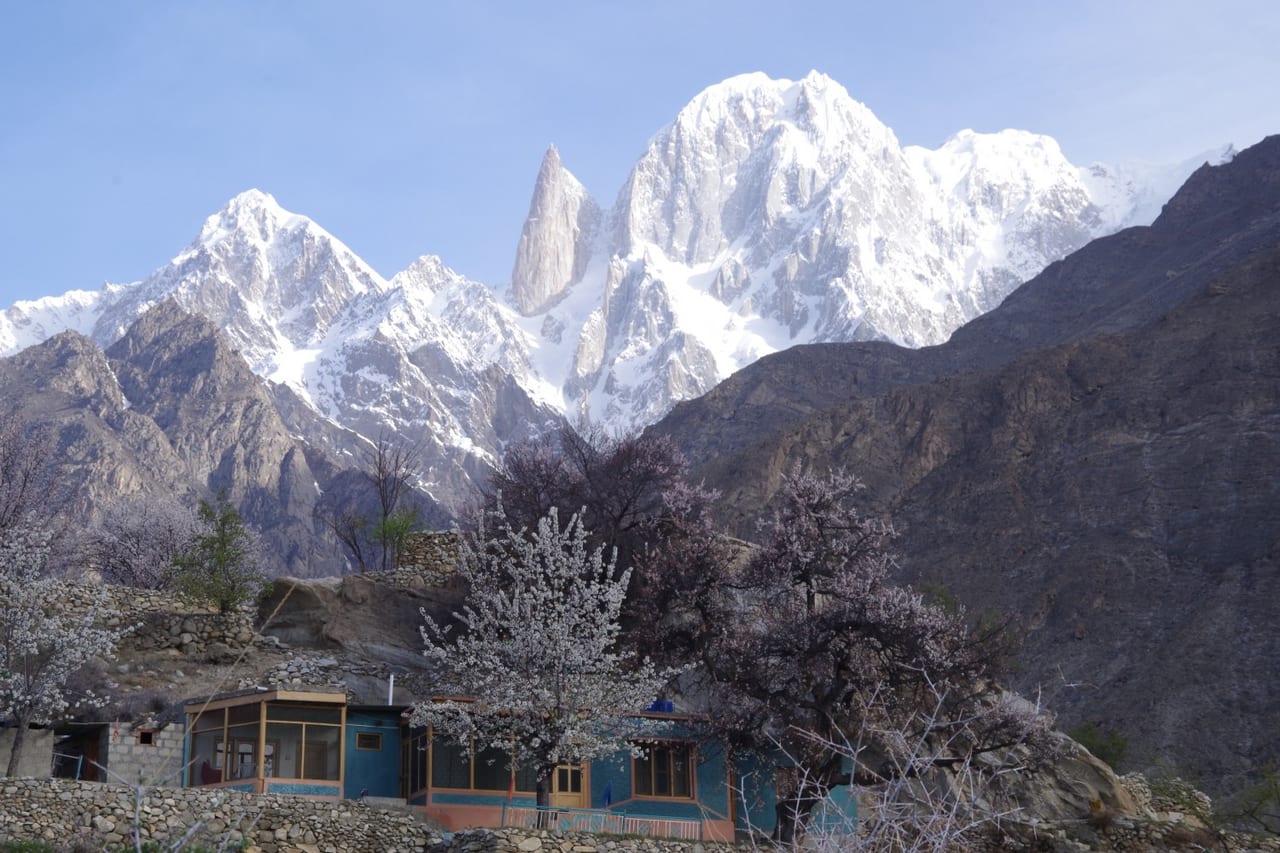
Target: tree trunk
{"points": [[542, 793], [810, 787], [792, 818], [15, 754]]}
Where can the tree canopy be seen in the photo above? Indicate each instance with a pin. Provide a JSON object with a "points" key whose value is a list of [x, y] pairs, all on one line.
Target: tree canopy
{"points": [[43, 644], [219, 567], [536, 655], [809, 649]]}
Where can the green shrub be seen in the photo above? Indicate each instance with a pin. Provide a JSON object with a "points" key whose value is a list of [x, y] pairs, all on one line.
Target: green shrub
{"points": [[1105, 744]]}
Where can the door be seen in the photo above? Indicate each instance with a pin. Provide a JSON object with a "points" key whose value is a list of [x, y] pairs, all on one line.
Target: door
{"points": [[571, 787]]}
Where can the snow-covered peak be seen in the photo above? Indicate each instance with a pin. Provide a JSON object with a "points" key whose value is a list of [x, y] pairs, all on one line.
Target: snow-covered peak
{"points": [[1009, 156], [767, 213], [739, 156], [425, 276], [251, 213], [1132, 193]]}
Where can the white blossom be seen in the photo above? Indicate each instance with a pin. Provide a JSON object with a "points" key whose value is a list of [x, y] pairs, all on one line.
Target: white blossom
{"points": [[43, 644], [535, 670]]}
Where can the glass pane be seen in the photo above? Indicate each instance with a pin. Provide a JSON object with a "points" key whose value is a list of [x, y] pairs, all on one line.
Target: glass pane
{"points": [[287, 738], [680, 786], [493, 770], [304, 713], [244, 714], [209, 720], [320, 752], [206, 767], [449, 766], [414, 758], [244, 732], [662, 772], [644, 774], [244, 764], [526, 778]]}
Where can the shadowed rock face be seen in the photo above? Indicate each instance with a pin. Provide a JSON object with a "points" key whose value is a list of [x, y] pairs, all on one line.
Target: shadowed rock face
{"points": [[172, 412], [1097, 457]]}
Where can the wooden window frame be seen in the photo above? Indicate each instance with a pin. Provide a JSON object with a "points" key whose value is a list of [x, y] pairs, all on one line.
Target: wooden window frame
{"points": [[669, 747]]}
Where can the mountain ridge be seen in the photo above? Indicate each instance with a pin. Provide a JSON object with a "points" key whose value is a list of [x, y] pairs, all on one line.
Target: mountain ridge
{"points": [[768, 213], [1094, 458]]}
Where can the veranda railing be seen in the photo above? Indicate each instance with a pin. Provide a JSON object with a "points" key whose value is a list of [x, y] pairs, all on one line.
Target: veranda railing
{"points": [[601, 821]]}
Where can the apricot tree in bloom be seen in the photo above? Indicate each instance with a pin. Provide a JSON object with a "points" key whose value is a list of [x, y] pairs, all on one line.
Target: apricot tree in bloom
{"points": [[43, 643], [535, 664]]}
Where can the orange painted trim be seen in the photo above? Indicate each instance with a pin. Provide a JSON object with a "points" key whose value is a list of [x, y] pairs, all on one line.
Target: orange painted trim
{"points": [[459, 817]]}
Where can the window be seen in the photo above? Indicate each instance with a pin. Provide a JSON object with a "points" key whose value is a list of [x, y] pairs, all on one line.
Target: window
{"points": [[299, 741], [369, 740], [454, 765], [309, 739], [146, 737], [413, 765], [664, 770]]}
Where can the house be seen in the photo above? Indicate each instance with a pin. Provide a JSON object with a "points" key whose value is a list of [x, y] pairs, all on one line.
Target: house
{"points": [[311, 742], [308, 742]]}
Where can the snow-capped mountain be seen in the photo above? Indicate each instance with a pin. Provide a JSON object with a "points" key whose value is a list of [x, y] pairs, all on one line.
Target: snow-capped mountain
{"points": [[773, 212], [428, 355], [769, 213]]}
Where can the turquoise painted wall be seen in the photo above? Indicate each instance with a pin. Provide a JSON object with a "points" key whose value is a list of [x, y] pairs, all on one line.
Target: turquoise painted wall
{"points": [[614, 775], [756, 802], [306, 789], [375, 770]]}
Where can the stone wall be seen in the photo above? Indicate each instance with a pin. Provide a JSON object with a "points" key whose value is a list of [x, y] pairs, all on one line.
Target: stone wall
{"points": [[162, 620], [89, 815], [64, 813], [92, 815], [426, 558], [552, 841]]}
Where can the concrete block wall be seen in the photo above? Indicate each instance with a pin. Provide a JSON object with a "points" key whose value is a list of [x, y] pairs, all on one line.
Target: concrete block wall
{"points": [[147, 755]]}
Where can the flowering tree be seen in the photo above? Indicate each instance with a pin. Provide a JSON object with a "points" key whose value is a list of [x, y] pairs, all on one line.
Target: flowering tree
{"points": [[536, 658], [617, 484], [28, 480], [140, 540], [42, 644], [808, 647]]}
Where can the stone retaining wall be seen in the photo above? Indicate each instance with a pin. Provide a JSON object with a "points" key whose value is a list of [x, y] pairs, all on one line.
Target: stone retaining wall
{"points": [[90, 815], [547, 841], [162, 620], [66, 814], [426, 557]]}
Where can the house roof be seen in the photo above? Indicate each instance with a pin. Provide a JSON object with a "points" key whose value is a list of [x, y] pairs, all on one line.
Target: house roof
{"points": [[265, 694]]}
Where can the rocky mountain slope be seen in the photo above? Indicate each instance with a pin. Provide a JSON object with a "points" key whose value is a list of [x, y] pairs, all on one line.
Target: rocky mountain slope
{"points": [[1096, 457], [171, 412], [769, 213]]}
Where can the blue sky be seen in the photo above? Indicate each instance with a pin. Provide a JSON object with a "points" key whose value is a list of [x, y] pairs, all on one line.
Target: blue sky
{"points": [[408, 128]]}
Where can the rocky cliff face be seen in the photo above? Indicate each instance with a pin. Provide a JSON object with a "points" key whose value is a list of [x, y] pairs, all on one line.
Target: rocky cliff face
{"points": [[1094, 457], [172, 412], [555, 243]]}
